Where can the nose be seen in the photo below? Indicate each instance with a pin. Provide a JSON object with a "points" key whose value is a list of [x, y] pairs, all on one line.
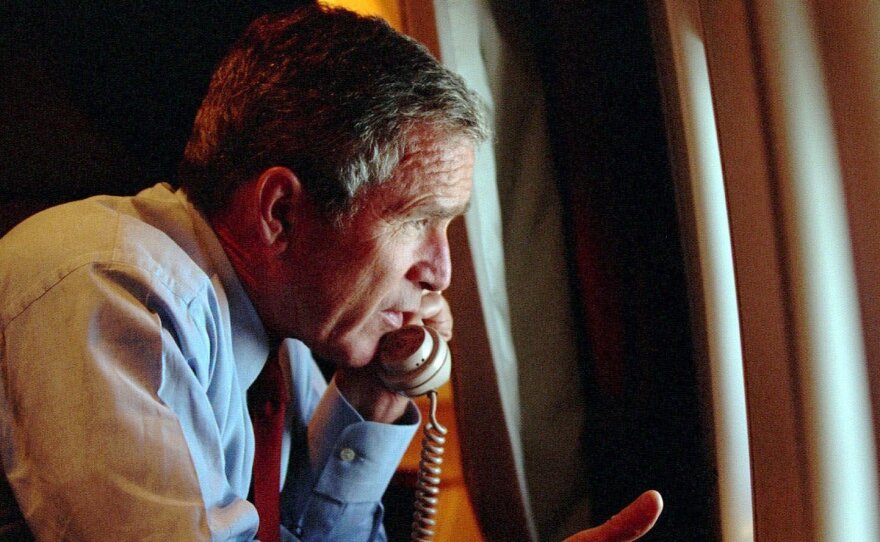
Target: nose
{"points": [[433, 267]]}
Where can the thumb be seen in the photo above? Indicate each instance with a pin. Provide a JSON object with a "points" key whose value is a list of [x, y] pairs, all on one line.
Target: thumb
{"points": [[629, 524]]}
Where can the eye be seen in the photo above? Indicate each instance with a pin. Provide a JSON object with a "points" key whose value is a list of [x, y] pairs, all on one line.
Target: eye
{"points": [[419, 223]]}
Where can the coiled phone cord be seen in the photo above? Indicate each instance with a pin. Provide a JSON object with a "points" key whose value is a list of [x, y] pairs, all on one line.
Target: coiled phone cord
{"points": [[428, 483]]}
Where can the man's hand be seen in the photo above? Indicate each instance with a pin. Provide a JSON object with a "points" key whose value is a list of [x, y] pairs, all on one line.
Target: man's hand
{"points": [[434, 312], [629, 524], [362, 387]]}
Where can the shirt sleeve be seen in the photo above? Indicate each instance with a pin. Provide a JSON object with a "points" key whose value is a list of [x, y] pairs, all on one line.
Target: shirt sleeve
{"points": [[335, 485], [107, 423]]}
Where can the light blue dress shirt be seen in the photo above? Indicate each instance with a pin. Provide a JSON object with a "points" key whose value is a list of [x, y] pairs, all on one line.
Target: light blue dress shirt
{"points": [[127, 345]]}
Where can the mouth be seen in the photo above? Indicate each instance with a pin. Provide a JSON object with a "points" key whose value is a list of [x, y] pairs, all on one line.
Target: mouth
{"points": [[393, 318]]}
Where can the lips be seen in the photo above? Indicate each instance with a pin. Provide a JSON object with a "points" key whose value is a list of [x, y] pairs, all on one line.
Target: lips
{"points": [[394, 318]]}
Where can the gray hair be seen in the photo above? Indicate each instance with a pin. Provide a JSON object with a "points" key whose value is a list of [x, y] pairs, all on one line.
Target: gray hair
{"points": [[330, 94]]}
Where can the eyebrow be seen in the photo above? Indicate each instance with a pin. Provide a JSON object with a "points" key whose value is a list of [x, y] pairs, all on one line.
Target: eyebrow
{"points": [[452, 212], [431, 211], [443, 212]]}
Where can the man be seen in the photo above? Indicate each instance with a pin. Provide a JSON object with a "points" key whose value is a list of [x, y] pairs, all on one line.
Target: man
{"points": [[325, 164]]}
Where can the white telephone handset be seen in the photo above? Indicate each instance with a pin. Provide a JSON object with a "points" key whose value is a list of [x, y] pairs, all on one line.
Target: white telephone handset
{"points": [[415, 360]]}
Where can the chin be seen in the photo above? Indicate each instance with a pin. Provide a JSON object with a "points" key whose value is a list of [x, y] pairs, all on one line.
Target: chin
{"points": [[362, 353], [351, 354], [348, 348]]}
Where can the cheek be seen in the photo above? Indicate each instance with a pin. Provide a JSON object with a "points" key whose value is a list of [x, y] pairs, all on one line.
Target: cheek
{"points": [[397, 259], [365, 278], [382, 282], [386, 269], [359, 283]]}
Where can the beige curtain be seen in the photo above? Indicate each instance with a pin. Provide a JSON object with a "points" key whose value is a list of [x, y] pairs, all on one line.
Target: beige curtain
{"points": [[526, 388]]}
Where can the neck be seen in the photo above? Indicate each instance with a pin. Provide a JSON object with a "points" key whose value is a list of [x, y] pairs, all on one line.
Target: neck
{"points": [[245, 260], [237, 253]]}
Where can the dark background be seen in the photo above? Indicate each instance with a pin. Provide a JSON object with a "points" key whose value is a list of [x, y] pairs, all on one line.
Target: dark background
{"points": [[101, 100], [646, 400]]}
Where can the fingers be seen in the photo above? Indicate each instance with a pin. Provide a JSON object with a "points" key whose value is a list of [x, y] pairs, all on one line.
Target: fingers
{"points": [[366, 393], [635, 520], [434, 312], [629, 524]]}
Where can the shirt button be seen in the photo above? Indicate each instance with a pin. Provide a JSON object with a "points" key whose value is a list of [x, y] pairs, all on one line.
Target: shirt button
{"points": [[347, 454]]}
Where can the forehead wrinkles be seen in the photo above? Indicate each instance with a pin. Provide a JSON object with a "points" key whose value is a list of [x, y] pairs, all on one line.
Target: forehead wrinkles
{"points": [[431, 166], [430, 155]]}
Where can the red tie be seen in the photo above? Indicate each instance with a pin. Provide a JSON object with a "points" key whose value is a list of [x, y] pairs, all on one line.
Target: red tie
{"points": [[267, 400]]}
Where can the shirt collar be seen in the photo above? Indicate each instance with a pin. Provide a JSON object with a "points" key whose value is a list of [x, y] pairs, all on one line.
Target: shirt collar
{"points": [[250, 343]]}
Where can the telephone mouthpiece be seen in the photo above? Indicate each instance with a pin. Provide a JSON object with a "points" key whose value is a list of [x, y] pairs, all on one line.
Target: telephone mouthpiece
{"points": [[414, 360]]}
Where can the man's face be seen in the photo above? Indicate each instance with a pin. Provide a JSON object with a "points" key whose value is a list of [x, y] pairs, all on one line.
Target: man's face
{"points": [[351, 285]]}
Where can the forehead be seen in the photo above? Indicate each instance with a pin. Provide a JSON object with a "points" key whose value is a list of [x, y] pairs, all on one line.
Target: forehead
{"points": [[436, 171]]}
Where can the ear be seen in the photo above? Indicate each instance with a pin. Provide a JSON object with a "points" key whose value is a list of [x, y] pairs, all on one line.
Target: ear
{"points": [[279, 198]]}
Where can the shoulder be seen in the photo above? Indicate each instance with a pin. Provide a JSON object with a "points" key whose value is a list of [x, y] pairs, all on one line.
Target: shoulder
{"points": [[123, 240]]}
